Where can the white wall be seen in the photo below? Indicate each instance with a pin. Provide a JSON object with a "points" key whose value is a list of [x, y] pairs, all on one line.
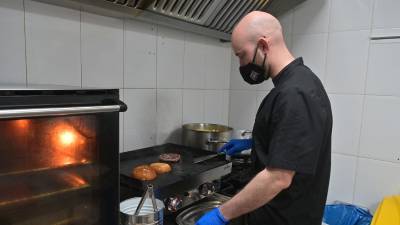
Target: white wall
{"points": [[362, 78], [167, 77]]}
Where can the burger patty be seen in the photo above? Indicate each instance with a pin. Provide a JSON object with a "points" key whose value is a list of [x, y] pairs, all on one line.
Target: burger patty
{"points": [[170, 157]]}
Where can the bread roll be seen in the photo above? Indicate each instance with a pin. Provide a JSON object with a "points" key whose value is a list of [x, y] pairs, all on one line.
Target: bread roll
{"points": [[144, 172], [161, 168]]}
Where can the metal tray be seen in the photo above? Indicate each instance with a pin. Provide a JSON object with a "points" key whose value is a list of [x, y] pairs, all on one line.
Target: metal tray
{"points": [[190, 215]]}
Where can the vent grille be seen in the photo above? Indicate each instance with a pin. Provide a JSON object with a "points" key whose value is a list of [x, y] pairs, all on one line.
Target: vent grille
{"points": [[221, 15], [137, 4], [194, 11]]}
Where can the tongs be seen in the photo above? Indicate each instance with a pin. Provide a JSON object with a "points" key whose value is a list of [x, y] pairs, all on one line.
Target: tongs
{"points": [[148, 193]]}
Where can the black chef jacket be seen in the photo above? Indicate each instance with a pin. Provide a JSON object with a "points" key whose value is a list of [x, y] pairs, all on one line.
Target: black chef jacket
{"points": [[292, 131]]}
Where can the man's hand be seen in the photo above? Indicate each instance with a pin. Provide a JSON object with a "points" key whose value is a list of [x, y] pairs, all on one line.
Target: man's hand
{"points": [[235, 146], [262, 188], [214, 217]]}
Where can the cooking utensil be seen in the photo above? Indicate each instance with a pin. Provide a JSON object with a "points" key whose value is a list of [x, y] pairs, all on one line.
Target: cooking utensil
{"points": [[146, 210], [206, 136], [204, 158]]}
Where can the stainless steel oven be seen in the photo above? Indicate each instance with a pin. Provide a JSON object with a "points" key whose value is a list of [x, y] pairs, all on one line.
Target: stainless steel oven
{"points": [[59, 160]]}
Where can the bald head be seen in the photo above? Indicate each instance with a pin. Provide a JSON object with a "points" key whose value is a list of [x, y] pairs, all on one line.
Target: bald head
{"points": [[255, 25], [258, 38]]}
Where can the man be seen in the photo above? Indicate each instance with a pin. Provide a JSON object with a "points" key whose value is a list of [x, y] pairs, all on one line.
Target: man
{"points": [[291, 144]]}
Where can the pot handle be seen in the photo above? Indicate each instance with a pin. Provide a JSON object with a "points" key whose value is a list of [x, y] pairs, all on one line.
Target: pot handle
{"points": [[216, 141], [243, 133]]}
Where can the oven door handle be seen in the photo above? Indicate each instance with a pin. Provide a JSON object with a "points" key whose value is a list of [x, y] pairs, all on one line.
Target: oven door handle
{"points": [[61, 111]]}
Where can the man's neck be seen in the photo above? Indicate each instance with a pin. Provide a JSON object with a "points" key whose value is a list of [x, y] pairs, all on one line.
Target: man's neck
{"points": [[279, 62]]}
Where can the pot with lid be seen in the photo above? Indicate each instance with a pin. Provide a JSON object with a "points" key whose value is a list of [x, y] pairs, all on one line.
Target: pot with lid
{"points": [[206, 136]]}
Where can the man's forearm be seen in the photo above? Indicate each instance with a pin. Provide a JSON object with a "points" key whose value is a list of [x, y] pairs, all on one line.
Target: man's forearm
{"points": [[261, 189]]}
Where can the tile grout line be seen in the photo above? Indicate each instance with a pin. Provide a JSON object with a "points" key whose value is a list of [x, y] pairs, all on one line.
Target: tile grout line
{"points": [[25, 39], [123, 82], [363, 107], [156, 27], [328, 38], [183, 77], [123, 51]]}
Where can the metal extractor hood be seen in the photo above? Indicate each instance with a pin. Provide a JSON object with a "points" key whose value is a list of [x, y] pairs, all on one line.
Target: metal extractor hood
{"points": [[215, 18]]}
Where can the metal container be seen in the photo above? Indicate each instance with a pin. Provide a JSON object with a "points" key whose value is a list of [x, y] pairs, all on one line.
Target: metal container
{"points": [[205, 136], [190, 215], [142, 211]]}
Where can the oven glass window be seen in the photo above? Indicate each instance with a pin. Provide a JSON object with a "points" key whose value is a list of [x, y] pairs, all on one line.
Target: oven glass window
{"points": [[60, 170]]}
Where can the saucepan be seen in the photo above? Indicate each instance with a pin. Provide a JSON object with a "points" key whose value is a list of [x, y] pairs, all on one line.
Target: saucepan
{"points": [[206, 136], [209, 136]]}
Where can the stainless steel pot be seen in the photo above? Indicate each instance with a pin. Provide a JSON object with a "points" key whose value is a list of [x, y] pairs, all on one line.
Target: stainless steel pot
{"points": [[142, 211], [206, 136]]}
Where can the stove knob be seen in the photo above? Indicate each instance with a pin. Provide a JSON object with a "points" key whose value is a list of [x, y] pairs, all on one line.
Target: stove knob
{"points": [[173, 204], [207, 189]]}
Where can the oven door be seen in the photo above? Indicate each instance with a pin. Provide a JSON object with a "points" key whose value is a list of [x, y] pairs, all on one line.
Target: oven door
{"points": [[59, 165]]}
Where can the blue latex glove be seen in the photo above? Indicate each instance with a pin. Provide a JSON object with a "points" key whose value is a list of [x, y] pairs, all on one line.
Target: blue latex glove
{"points": [[235, 146], [213, 217]]}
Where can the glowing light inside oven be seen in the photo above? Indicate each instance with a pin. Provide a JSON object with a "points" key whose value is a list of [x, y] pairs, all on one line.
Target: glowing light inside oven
{"points": [[67, 138], [22, 124]]}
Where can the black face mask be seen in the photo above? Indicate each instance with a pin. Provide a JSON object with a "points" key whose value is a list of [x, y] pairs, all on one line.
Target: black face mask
{"points": [[253, 73]]}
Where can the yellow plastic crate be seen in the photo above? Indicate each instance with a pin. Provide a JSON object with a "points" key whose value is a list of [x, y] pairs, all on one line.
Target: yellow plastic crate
{"points": [[388, 212]]}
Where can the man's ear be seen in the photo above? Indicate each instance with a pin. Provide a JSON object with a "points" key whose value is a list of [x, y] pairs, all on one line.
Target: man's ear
{"points": [[264, 44]]}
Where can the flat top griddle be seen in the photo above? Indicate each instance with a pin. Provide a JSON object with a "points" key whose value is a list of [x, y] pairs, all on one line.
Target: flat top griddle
{"points": [[185, 169]]}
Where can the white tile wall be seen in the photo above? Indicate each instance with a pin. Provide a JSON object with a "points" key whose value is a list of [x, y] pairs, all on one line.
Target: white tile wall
{"points": [[343, 172], [313, 49], [380, 132], [169, 115], [351, 15], [386, 14], [216, 106], [102, 51], [347, 62], [286, 21], [194, 62], [140, 55], [12, 42], [311, 17], [374, 180], [193, 106], [242, 109], [347, 111], [53, 44], [217, 61], [170, 53], [140, 122], [383, 68]]}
